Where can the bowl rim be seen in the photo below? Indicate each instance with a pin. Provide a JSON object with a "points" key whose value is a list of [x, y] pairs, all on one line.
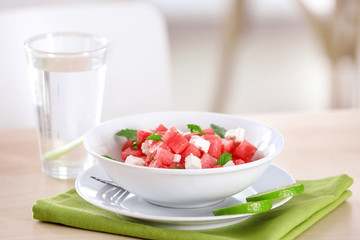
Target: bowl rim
{"points": [[186, 171]]}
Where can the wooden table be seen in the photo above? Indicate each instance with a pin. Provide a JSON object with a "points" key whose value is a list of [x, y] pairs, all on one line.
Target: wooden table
{"points": [[317, 145]]}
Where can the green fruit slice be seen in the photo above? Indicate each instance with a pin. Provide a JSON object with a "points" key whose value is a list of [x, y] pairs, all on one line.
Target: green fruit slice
{"points": [[252, 207], [286, 191]]}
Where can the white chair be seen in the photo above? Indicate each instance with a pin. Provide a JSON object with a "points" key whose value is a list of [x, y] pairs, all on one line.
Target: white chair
{"points": [[138, 76]]}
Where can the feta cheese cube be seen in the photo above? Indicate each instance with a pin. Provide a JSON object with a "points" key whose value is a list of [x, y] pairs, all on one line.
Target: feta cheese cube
{"points": [[200, 143], [229, 164], [145, 148], [177, 158], [135, 160], [237, 134], [192, 162]]}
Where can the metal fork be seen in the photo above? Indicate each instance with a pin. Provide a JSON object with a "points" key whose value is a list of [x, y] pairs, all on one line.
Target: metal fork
{"points": [[111, 183], [113, 195]]}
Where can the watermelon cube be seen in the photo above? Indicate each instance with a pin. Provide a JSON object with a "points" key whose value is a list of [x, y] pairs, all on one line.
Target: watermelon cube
{"points": [[156, 164], [189, 135], [161, 130], [215, 145], [164, 156], [191, 149], [127, 144], [208, 161], [150, 146], [129, 151], [238, 161], [159, 144], [175, 140], [175, 165], [181, 164], [209, 131], [228, 145], [149, 158], [142, 134], [245, 151], [164, 146]]}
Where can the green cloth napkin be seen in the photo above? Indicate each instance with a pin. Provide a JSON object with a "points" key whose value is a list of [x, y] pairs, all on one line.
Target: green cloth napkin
{"points": [[285, 222]]}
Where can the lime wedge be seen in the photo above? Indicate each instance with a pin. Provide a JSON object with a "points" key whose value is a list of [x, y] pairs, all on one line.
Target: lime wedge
{"points": [[63, 150], [286, 191], [252, 207]]}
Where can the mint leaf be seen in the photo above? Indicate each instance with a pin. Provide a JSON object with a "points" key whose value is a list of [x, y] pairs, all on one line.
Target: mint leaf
{"points": [[195, 129], [155, 137], [135, 145], [177, 168], [130, 134], [224, 158], [220, 131], [109, 157]]}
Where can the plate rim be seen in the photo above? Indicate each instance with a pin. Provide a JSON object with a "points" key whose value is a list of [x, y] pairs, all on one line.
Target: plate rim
{"points": [[169, 219]]}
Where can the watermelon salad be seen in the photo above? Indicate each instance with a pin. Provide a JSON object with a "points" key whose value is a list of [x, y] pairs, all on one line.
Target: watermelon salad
{"points": [[199, 148]]}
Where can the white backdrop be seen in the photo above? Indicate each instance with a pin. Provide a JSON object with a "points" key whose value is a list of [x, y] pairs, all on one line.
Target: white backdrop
{"points": [[138, 69]]}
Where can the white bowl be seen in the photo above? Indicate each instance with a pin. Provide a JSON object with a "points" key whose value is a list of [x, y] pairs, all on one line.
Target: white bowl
{"points": [[183, 188]]}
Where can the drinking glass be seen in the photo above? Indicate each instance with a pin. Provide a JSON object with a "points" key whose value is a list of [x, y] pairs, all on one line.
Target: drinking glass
{"points": [[67, 75]]}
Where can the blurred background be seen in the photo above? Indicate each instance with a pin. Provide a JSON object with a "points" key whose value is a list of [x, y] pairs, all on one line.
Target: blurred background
{"points": [[278, 59], [241, 56]]}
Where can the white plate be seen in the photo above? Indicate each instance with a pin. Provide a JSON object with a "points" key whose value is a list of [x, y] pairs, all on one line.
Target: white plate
{"points": [[136, 209]]}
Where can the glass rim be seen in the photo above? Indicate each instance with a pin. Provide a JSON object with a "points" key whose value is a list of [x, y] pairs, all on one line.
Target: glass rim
{"points": [[27, 43]]}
